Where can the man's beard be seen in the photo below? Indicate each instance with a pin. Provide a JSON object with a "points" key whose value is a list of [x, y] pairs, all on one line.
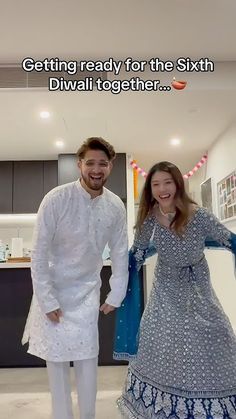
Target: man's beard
{"points": [[94, 186]]}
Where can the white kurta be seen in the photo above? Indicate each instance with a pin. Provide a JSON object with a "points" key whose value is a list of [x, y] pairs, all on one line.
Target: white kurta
{"points": [[70, 235]]}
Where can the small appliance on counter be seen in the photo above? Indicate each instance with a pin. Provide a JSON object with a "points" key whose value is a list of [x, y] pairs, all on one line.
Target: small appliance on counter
{"points": [[7, 252], [16, 247]]}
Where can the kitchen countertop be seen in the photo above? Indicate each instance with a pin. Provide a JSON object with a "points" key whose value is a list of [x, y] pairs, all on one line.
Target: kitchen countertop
{"points": [[5, 265]]}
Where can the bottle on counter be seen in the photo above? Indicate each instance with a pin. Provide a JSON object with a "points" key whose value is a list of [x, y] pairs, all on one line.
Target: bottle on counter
{"points": [[2, 252], [7, 252]]}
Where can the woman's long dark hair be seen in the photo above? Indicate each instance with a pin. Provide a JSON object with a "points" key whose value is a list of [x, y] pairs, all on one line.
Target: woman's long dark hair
{"points": [[182, 200]]}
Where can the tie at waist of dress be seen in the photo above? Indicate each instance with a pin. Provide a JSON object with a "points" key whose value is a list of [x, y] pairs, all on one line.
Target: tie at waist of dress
{"points": [[186, 271]]}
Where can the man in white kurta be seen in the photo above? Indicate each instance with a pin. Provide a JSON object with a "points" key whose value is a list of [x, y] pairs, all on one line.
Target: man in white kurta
{"points": [[75, 222]]}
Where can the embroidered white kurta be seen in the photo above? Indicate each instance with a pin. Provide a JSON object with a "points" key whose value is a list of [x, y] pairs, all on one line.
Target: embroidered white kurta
{"points": [[70, 235]]}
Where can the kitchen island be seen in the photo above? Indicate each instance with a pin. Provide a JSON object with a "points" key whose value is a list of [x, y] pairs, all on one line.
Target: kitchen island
{"points": [[15, 298]]}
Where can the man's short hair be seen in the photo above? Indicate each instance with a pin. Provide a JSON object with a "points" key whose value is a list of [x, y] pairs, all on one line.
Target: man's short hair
{"points": [[96, 143]]}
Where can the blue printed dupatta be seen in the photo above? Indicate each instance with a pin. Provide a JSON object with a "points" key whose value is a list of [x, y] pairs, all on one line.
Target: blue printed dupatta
{"points": [[128, 316]]}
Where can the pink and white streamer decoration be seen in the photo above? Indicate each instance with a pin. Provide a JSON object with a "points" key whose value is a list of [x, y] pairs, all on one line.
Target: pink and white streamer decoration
{"points": [[196, 167], [139, 170], [186, 176]]}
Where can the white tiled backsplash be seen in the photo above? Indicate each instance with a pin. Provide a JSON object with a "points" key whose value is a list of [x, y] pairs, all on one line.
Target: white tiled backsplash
{"points": [[6, 234]]}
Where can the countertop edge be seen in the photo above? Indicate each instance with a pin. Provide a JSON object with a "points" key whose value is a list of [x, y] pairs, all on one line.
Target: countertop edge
{"points": [[11, 265]]}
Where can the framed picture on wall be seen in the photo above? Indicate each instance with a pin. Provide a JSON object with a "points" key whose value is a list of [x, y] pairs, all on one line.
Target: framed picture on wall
{"points": [[226, 194], [206, 194]]}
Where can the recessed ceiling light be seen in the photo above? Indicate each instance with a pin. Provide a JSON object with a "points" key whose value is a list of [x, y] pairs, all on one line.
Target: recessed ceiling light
{"points": [[175, 141], [59, 143], [44, 114]]}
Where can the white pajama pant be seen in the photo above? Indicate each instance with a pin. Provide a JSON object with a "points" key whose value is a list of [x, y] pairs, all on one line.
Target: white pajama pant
{"points": [[60, 387]]}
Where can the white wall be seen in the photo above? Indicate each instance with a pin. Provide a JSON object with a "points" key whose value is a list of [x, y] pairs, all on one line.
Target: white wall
{"points": [[221, 162], [130, 200]]}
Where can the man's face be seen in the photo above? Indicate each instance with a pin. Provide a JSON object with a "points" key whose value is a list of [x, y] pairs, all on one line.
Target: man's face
{"points": [[95, 169]]}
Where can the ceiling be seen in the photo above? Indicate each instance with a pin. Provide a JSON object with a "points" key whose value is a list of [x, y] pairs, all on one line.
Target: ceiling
{"points": [[139, 123]]}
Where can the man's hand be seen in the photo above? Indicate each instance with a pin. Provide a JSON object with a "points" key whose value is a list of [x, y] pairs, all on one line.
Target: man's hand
{"points": [[54, 315], [106, 308]]}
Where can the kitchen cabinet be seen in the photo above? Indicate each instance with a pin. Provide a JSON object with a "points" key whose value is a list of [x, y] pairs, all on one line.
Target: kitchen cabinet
{"points": [[23, 184], [6, 176], [15, 299], [117, 179], [50, 175], [27, 186], [68, 170], [106, 324]]}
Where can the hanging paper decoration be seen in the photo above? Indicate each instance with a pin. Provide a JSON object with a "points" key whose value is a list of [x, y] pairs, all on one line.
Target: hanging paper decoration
{"points": [[196, 167], [136, 167], [186, 176]]}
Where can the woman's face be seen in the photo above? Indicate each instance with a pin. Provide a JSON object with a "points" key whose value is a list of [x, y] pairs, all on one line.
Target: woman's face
{"points": [[163, 190]]}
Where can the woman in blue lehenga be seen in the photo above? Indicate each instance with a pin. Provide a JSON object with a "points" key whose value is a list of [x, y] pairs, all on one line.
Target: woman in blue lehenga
{"points": [[185, 367]]}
